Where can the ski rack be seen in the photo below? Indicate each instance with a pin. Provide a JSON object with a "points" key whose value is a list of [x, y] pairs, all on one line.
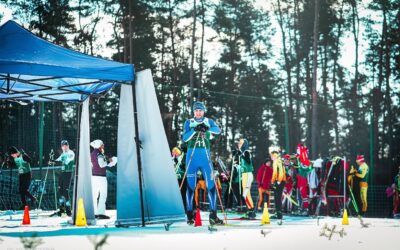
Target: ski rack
{"points": [[345, 164]]}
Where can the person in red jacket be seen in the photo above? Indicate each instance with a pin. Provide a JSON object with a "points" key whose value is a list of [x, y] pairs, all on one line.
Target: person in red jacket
{"points": [[302, 182], [264, 176]]}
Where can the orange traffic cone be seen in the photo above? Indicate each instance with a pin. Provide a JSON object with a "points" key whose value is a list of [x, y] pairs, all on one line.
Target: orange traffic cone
{"points": [[26, 220], [197, 222]]}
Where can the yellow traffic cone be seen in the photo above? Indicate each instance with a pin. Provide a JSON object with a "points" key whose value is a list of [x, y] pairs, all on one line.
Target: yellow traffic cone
{"points": [[265, 216], [345, 220], [81, 217]]}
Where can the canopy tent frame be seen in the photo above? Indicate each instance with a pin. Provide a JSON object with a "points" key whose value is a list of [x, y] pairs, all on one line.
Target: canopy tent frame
{"points": [[47, 72], [76, 175], [29, 93], [30, 66]]}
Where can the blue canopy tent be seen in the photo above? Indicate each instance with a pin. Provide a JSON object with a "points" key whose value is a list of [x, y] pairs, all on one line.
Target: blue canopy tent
{"points": [[34, 69], [37, 70]]}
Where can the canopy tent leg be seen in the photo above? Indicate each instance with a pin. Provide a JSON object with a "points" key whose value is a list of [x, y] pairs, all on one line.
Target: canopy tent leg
{"points": [[41, 135], [83, 186], [138, 147], [78, 130]]}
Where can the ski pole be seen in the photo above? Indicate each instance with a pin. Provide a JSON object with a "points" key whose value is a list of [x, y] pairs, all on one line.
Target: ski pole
{"points": [[44, 187], [324, 190], [353, 200], [230, 181], [178, 165], [190, 160], [290, 198], [215, 184], [54, 178], [223, 167]]}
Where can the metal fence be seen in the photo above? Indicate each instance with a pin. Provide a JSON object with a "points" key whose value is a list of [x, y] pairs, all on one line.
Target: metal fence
{"points": [[378, 204]]}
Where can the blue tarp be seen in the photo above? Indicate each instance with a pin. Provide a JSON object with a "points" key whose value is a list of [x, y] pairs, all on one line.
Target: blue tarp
{"points": [[34, 69]]}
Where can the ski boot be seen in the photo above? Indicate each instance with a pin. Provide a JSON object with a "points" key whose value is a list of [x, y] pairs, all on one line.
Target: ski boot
{"points": [[101, 217], [251, 215], [34, 202], [68, 208], [214, 220], [273, 216], [61, 207], [190, 217], [304, 212], [279, 215]]}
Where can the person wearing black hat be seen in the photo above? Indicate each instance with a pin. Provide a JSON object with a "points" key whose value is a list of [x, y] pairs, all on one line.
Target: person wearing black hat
{"points": [[247, 177], [264, 176], [67, 159], [278, 180], [21, 161]]}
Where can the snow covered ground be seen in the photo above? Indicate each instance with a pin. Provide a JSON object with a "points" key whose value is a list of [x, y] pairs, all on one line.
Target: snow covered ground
{"points": [[295, 233]]}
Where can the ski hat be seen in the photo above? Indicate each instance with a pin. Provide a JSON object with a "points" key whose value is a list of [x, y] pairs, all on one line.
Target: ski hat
{"points": [[199, 105], [64, 142], [267, 160], [274, 149], [12, 150], [360, 159], [96, 144], [318, 163], [176, 151], [286, 157], [245, 144]]}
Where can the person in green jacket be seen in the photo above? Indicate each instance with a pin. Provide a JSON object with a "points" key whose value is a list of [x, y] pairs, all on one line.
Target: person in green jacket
{"points": [[179, 158], [22, 162], [67, 160], [246, 165]]}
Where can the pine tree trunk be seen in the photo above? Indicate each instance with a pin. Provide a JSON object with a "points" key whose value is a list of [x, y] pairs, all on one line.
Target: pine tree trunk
{"points": [[334, 79], [203, 24], [288, 69], [314, 125], [296, 132], [191, 77], [354, 89], [172, 35]]}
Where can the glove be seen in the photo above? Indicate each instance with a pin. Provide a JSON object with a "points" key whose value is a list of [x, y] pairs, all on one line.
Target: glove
{"points": [[193, 123], [113, 161], [22, 151], [224, 177], [201, 127]]}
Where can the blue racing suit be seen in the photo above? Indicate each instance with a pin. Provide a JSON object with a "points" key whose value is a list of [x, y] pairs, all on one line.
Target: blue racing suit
{"points": [[198, 157]]}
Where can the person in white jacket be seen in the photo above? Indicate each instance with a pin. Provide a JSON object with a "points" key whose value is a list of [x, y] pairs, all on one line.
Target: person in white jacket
{"points": [[99, 178]]}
